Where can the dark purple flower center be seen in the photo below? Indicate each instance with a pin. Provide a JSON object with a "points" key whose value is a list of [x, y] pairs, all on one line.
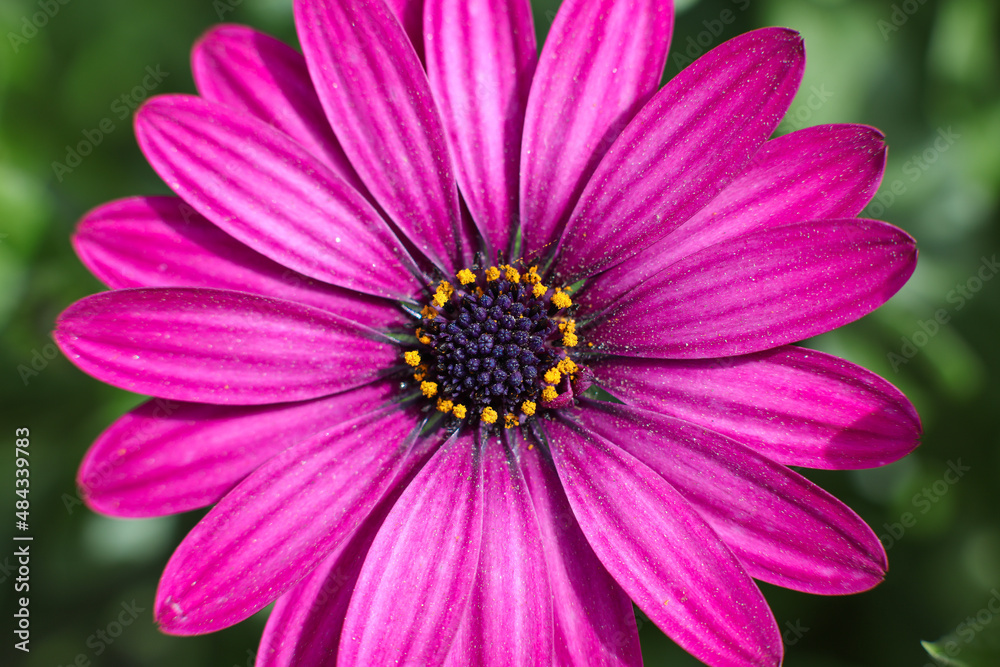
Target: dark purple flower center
{"points": [[495, 347]]}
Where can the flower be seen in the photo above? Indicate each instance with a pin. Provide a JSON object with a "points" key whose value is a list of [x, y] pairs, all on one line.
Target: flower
{"points": [[373, 318]]}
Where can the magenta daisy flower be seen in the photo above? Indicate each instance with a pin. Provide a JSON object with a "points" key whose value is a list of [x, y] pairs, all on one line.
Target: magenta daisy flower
{"points": [[471, 348]]}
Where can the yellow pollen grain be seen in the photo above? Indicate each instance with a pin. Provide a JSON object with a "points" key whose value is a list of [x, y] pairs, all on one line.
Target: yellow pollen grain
{"points": [[539, 289], [549, 394], [444, 405], [426, 340], [528, 408], [445, 288], [489, 415], [553, 375], [420, 374], [567, 366], [412, 357], [561, 300], [510, 421], [492, 273], [429, 388], [428, 312], [532, 277], [570, 340], [439, 299], [511, 274], [459, 411], [465, 276]]}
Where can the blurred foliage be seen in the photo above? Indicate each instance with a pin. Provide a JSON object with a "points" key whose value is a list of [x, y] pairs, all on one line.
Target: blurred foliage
{"points": [[924, 72]]}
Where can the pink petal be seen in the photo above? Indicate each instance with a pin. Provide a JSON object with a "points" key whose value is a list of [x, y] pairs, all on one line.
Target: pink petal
{"points": [[784, 529], [827, 171], [411, 15], [420, 572], [602, 61], [594, 621], [357, 53], [761, 290], [480, 58], [166, 457], [221, 347], [163, 242], [663, 553], [283, 520], [508, 620], [265, 190], [795, 406], [305, 625], [694, 137], [261, 76]]}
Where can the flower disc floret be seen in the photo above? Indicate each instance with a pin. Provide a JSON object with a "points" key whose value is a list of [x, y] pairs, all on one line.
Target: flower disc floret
{"points": [[492, 343]]}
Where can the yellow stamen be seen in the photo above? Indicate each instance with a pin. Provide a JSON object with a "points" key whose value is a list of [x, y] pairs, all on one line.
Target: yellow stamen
{"points": [[426, 340], [492, 273], [459, 411], [538, 290], [465, 276], [444, 405], [445, 288], [439, 299], [549, 394], [552, 376], [567, 366], [511, 274], [412, 357], [421, 372], [570, 340], [561, 300], [532, 277], [528, 408], [429, 388], [428, 312], [489, 415], [510, 421]]}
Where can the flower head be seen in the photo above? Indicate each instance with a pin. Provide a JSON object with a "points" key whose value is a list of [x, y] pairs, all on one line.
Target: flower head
{"points": [[375, 314]]}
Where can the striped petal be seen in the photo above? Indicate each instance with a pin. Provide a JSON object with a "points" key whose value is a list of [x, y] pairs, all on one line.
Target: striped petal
{"points": [[828, 171], [784, 529], [265, 190], [357, 52], [480, 59], [261, 76], [601, 62], [284, 520], [220, 347], [421, 569], [761, 290], [663, 553], [795, 406], [694, 137], [163, 242], [166, 457]]}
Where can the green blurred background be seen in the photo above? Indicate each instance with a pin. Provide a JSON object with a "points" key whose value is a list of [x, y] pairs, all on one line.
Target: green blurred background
{"points": [[925, 73]]}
